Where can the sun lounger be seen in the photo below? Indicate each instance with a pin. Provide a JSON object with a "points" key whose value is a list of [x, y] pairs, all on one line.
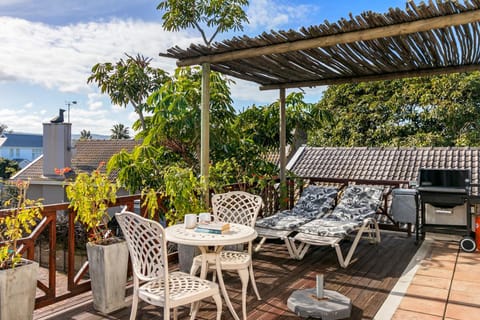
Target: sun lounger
{"points": [[354, 214], [314, 202]]}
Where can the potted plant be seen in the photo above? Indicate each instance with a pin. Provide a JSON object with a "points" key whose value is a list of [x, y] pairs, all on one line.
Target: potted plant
{"points": [[184, 191], [89, 195], [18, 276]]}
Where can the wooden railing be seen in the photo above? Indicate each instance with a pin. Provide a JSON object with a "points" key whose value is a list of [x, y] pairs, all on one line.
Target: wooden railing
{"points": [[77, 282]]}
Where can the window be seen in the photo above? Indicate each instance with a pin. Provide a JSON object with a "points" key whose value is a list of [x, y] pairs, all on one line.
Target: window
{"points": [[36, 152]]}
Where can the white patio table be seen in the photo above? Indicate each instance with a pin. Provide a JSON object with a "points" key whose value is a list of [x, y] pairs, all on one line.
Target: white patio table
{"points": [[210, 245]]}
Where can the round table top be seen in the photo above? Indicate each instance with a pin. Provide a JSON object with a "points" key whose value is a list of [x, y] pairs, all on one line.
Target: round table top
{"points": [[238, 233]]}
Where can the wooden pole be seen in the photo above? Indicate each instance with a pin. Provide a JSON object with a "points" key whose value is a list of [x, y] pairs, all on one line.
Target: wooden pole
{"points": [[205, 128], [283, 143]]}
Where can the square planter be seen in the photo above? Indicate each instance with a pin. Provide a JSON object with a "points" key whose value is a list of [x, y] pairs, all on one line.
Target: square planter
{"points": [[108, 274], [18, 288]]}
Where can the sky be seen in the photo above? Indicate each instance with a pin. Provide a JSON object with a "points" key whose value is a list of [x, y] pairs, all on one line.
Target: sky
{"points": [[48, 47]]}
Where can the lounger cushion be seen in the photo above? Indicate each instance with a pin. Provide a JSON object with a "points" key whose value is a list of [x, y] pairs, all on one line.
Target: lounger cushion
{"points": [[315, 201], [329, 228], [357, 203]]}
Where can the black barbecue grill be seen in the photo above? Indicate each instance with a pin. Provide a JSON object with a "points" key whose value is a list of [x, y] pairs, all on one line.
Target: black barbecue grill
{"points": [[448, 192]]}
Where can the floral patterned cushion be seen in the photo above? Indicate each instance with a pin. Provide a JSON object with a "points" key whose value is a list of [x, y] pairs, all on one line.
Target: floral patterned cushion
{"points": [[329, 228], [315, 202], [357, 203]]}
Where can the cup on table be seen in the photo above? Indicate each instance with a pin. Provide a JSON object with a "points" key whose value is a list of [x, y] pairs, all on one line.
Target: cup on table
{"points": [[190, 220], [204, 217]]}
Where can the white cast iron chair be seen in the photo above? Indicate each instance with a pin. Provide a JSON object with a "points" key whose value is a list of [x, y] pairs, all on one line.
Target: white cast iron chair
{"points": [[148, 251], [243, 208]]}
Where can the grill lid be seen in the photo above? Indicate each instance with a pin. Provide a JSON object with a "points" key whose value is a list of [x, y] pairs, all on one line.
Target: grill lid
{"points": [[444, 180]]}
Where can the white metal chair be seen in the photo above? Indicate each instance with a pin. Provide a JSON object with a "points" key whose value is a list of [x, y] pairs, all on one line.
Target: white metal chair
{"points": [[242, 208], [148, 251]]}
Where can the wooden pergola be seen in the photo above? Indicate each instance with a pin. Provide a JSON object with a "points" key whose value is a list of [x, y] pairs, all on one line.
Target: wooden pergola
{"points": [[427, 39]]}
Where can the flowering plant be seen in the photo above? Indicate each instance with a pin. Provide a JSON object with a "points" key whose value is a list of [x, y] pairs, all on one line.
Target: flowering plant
{"points": [[21, 220], [90, 195]]}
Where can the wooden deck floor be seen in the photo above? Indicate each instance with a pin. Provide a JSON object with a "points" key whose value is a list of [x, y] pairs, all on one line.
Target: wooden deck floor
{"points": [[367, 282]]}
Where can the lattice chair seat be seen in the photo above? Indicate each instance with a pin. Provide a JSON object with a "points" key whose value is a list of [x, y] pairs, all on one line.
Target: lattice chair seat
{"points": [[242, 208], [148, 251], [183, 287]]}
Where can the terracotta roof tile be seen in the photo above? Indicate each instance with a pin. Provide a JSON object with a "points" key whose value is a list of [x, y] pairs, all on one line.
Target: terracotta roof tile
{"points": [[392, 164], [87, 156]]}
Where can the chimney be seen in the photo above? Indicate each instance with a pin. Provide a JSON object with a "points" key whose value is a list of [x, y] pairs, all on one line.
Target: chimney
{"points": [[57, 150]]}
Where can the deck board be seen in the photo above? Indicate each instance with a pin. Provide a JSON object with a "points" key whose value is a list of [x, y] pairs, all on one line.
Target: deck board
{"points": [[367, 281]]}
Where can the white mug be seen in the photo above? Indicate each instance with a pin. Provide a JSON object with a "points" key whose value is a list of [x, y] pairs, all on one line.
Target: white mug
{"points": [[204, 217], [190, 220]]}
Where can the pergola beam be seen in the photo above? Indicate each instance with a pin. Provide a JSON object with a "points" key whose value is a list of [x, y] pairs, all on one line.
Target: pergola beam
{"points": [[375, 77], [342, 38]]}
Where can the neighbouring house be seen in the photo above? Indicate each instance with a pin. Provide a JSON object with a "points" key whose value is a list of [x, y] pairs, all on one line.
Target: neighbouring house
{"points": [[85, 155], [21, 147]]}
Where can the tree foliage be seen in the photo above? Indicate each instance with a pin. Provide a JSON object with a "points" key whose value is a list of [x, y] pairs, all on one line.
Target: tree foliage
{"points": [[129, 81], [8, 168], [430, 111], [85, 135], [3, 128], [218, 15], [119, 131], [175, 123]]}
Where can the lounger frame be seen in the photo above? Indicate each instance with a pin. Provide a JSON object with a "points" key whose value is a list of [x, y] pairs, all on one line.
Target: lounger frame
{"points": [[368, 230]]}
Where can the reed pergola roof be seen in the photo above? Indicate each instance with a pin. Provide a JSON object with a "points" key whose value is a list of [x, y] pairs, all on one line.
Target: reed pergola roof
{"points": [[425, 39]]}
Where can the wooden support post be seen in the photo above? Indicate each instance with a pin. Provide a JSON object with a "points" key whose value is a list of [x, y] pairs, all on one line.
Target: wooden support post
{"points": [[282, 153], [205, 128]]}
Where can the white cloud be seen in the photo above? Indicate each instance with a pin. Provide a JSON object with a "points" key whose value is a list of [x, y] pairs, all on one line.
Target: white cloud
{"points": [[95, 101], [22, 120], [270, 14], [11, 2], [61, 57]]}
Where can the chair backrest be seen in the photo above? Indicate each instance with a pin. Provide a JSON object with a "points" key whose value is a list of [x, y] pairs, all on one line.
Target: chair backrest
{"points": [[237, 207], [147, 245]]}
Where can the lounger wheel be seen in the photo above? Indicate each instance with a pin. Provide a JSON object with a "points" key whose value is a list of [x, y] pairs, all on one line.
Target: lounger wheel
{"points": [[468, 244]]}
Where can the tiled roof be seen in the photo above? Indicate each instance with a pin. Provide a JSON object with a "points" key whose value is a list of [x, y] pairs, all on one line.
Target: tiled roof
{"points": [[89, 153], [25, 140], [392, 164], [87, 156]]}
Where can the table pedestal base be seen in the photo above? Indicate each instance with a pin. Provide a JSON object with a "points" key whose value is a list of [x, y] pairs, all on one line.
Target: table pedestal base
{"points": [[333, 305]]}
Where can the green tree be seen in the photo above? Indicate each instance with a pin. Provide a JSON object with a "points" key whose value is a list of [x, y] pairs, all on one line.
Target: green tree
{"points": [[262, 123], [429, 111], [175, 123], [129, 81], [119, 131], [218, 15], [3, 128], [85, 135], [8, 168]]}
